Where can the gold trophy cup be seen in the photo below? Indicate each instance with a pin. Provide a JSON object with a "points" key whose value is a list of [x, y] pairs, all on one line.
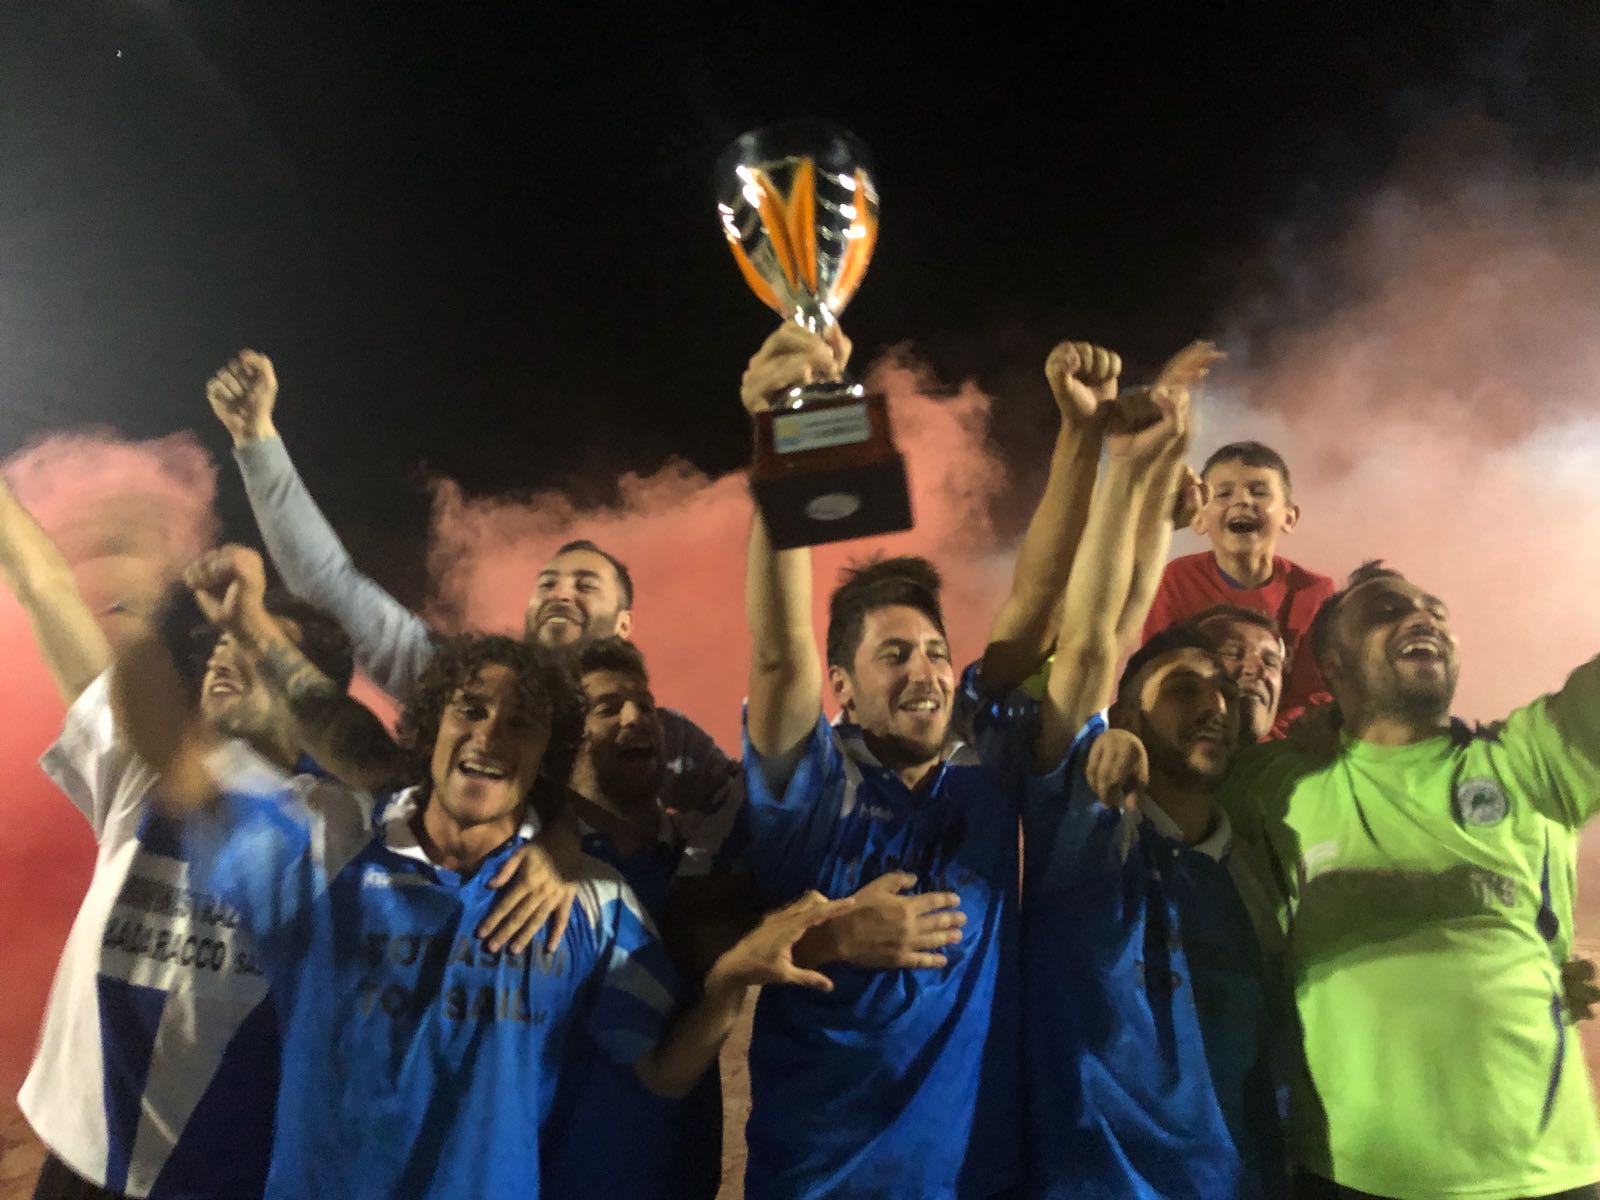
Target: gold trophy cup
{"points": [[800, 211]]}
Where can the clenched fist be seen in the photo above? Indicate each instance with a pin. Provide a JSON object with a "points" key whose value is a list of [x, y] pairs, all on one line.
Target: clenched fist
{"points": [[1082, 377], [230, 585], [242, 395]]}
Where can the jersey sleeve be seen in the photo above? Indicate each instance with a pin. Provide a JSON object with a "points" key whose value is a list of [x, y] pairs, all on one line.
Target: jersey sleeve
{"points": [[1554, 744], [94, 765], [270, 846], [391, 642], [638, 992], [1001, 726], [790, 830]]}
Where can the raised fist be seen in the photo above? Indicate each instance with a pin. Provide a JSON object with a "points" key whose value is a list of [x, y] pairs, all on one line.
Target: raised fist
{"points": [[229, 584], [792, 355], [1082, 377], [242, 395]]}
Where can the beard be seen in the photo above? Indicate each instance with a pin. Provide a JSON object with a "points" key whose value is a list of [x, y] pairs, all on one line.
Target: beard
{"points": [[1178, 764], [633, 783]]}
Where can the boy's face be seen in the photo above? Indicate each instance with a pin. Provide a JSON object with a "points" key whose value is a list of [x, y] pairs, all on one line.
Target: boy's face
{"points": [[1248, 508]]}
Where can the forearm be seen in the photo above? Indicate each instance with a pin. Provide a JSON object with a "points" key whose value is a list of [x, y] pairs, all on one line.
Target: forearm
{"points": [[785, 678], [155, 712], [73, 644], [1022, 633], [1086, 646], [1151, 542], [392, 643], [338, 731], [692, 1045]]}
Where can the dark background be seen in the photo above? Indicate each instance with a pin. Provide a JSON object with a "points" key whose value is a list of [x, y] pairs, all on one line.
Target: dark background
{"points": [[479, 240]]}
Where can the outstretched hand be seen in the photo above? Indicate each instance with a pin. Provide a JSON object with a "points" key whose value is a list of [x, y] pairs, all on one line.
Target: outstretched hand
{"points": [[792, 356], [230, 586], [766, 953], [1082, 378], [1189, 366], [242, 394]]}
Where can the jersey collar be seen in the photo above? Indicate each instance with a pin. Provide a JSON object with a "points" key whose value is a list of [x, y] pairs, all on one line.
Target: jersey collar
{"points": [[398, 835]]}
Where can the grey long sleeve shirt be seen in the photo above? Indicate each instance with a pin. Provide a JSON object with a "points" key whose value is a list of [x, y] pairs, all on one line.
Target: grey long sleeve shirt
{"points": [[392, 643]]}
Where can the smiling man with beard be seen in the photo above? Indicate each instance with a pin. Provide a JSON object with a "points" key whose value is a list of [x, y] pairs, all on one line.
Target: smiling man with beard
{"points": [[674, 1146], [1427, 873], [1147, 996]]}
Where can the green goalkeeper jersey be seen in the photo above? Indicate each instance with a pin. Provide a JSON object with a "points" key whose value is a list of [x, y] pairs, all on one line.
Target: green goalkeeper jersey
{"points": [[1427, 894]]}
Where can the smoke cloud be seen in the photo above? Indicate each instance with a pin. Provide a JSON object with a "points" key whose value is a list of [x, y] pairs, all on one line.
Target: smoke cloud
{"points": [[683, 537]]}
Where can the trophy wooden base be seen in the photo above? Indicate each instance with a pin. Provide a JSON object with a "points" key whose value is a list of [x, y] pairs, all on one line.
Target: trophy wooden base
{"points": [[827, 471]]}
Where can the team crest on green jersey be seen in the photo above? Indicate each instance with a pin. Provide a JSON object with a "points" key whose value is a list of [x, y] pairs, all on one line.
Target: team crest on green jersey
{"points": [[1481, 802]]}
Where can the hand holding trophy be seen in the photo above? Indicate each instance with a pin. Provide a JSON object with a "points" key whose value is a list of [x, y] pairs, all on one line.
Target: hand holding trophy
{"points": [[800, 212]]}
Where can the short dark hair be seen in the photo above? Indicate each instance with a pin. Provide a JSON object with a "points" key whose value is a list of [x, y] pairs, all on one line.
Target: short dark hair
{"points": [[1181, 635], [1320, 634], [905, 579], [546, 684], [1251, 454], [624, 580], [189, 638], [612, 654]]}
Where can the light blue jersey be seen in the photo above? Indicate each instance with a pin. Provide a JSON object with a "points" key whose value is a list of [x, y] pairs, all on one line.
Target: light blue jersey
{"points": [[417, 1063], [898, 1083]]}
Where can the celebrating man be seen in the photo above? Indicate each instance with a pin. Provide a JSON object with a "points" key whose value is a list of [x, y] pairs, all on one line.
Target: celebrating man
{"points": [[159, 1043], [1427, 872]]}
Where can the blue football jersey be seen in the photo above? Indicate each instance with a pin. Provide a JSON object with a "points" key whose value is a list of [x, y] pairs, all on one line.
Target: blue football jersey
{"points": [[898, 1083], [1147, 1004], [418, 1063]]}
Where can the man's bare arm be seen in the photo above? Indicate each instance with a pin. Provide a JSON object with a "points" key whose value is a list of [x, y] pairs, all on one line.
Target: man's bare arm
{"points": [[1087, 648], [1083, 378], [341, 733], [71, 640], [785, 696]]}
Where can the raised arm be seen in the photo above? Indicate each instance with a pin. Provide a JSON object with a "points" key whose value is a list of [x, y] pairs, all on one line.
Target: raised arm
{"points": [[392, 643], [71, 640], [341, 733], [1087, 647], [785, 675], [1082, 378]]}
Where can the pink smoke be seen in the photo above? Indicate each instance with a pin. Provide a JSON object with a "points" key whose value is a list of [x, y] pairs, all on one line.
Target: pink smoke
{"points": [[683, 537]]}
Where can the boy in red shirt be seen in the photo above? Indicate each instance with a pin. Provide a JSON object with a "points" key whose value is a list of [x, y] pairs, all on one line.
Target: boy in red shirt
{"points": [[1250, 507]]}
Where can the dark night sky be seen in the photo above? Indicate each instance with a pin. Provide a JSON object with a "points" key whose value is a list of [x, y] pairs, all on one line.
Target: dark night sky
{"points": [[479, 240]]}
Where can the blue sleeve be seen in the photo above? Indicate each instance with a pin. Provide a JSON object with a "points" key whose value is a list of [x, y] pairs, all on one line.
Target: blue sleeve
{"points": [[257, 850], [1001, 726], [791, 832], [392, 644], [639, 992]]}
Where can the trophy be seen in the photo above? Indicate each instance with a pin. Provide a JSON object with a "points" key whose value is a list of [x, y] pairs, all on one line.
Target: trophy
{"points": [[800, 212]]}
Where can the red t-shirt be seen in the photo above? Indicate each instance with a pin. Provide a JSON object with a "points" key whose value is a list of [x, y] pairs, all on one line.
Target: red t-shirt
{"points": [[1195, 582]]}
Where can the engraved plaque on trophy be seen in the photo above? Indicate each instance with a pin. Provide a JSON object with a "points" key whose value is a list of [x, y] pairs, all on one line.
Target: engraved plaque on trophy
{"points": [[800, 211]]}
